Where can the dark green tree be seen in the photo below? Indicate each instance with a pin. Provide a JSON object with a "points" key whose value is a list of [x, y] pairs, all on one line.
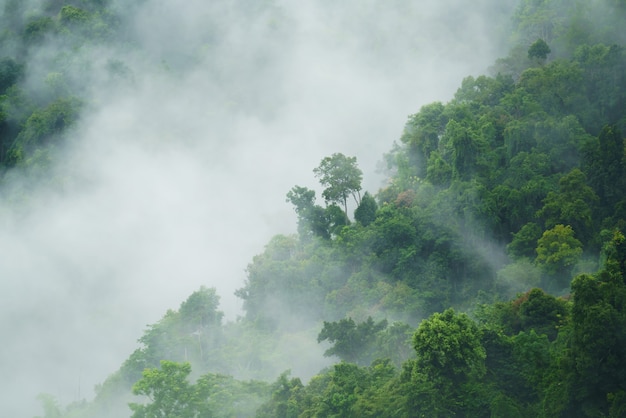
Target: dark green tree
{"points": [[605, 166], [598, 342], [365, 213], [314, 220], [524, 241], [10, 72], [353, 343], [286, 399], [572, 205], [539, 50]]}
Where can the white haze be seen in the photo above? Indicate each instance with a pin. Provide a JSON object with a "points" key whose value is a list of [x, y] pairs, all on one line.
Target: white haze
{"points": [[179, 171]]}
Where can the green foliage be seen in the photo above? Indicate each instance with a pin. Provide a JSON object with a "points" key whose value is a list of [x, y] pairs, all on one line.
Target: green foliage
{"points": [[193, 333], [287, 282], [448, 349], [70, 15], [50, 406], [557, 252], [450, 360], [539, 50], [345, 390], [605, 166], [170, 394], [542, 313], [312, 219], [46, 124], [10, 73], [504, 407], [422, 133], [598, 336], [341, 178], [36, 30], [286, 394], [365, 213], [571, 205], [199, 311], [351, 342]]}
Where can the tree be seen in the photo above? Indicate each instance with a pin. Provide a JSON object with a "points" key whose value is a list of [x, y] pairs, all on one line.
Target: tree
{"points": [[342, 178], [170, 393], [351, 342], [311, 217], [597, 345], [448, 348], [598, 348], [365, 213], [50, 406], [605, 163], [466, 148], [524, 241], [422, 133], [199, 311], [284, 400], [571, 205], [314, 219], [302, 198], [542, 312], [73, 16], [557, 253], [449, 355], [539, 50], [10, 73]]}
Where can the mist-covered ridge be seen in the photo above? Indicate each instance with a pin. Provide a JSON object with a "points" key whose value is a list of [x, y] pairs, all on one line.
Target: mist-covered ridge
{"points": [[240, 157]]}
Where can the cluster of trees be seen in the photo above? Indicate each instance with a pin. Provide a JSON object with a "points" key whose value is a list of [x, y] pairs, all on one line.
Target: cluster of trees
{"points": [[40, 99], [534, 356], [500, 225], [516, 182]]}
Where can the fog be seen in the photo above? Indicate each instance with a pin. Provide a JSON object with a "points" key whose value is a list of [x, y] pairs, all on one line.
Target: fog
{"points": [[176, 174]]}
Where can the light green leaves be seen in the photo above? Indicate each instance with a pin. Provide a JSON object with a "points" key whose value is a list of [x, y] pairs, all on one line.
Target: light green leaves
{"points": [[342, 178]]}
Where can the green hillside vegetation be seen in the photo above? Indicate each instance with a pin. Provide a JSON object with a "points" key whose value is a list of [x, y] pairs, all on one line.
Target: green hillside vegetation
{"points": [[486, 279], [38, 112]]}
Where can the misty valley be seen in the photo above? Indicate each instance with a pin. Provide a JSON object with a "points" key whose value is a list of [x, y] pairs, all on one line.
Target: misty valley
{"points": [[325, 209]]}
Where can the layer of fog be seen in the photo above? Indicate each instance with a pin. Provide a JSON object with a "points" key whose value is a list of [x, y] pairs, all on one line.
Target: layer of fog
{"points": [[180, 166]]}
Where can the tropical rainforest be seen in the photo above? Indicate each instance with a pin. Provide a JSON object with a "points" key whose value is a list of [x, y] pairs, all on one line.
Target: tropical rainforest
{"points": [[486, 278]]}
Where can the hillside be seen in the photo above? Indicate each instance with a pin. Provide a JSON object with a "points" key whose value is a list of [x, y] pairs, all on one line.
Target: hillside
{"points": [[487, 277]]}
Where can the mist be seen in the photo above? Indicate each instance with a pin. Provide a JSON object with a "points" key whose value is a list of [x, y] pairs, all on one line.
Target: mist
{"points": [[176, 174]]}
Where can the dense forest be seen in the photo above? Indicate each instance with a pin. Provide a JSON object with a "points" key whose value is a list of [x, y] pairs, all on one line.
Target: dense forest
{"points": [[487, 278]]}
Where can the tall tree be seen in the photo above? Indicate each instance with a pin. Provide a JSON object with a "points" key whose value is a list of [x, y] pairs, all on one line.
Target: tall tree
{"points": [[342, 178], [365, 213], [449, 355], [598, 349]]}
